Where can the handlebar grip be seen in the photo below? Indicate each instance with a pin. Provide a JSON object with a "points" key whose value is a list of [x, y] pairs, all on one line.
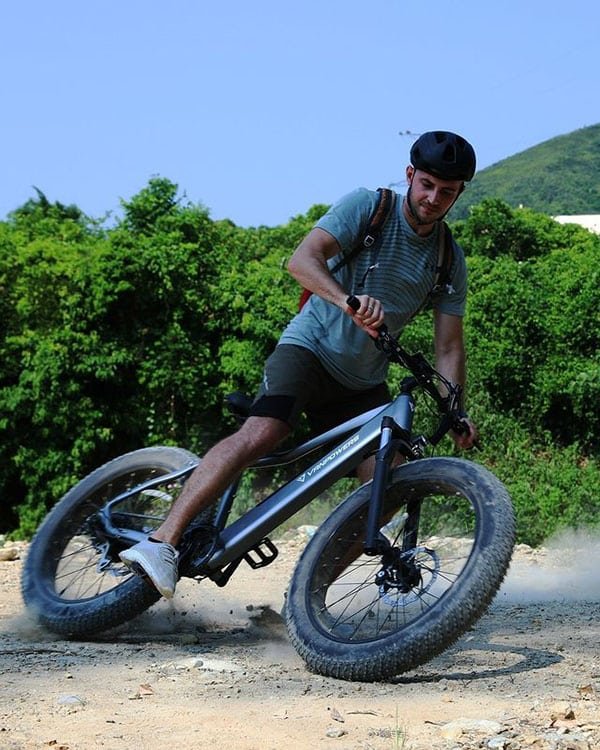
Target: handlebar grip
{"points": [[354, 303]]}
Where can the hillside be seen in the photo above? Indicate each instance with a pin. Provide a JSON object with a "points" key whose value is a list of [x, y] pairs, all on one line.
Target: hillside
{"points": [[558, 176]]}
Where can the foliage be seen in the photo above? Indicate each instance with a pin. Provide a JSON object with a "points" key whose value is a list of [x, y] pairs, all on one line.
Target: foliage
{"points": [[552, 488], [109, 342], [256, 297], [494, 229], [129, 336], [556, 177], [534, 321]]}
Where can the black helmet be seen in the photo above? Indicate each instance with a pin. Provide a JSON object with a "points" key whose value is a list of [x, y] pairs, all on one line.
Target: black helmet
{"points": [[444, 155]]}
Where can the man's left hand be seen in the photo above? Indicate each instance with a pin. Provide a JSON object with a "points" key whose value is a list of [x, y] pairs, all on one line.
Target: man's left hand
{"points": [[467, 439]]}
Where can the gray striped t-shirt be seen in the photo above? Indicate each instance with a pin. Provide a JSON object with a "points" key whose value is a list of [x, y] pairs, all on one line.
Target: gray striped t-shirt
{"points": [[402, 280]]}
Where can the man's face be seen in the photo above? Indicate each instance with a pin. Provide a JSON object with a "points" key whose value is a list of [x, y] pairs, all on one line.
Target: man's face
{"points": [[430, 197]]}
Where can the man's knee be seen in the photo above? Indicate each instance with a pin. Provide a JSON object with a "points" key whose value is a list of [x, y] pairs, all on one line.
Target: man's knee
{"points": [[260, 435]]}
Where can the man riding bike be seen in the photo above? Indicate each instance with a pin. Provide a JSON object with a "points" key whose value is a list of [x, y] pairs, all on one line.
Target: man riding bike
{"points": [[325, 364]]}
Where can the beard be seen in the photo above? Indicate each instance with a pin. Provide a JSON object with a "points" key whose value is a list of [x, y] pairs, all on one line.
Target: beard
{"points": [[422, 212]]}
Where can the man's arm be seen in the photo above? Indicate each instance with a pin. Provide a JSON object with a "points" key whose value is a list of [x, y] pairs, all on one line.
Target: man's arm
{"points": [[449, 347], [308, 265], [450, 360]]}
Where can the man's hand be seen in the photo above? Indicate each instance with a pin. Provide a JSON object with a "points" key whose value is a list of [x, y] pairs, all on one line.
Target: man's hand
{"points": [[467, 439], [369, 316]]}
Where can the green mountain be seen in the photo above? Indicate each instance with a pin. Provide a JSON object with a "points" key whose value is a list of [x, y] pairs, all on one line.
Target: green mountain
{"points": [[558, 176]]}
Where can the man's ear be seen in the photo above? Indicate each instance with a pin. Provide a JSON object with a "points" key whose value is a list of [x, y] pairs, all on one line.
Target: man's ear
{"points": [[410, 173]]}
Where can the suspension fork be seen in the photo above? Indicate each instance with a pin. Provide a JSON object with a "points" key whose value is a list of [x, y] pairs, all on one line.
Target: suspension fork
{"points": [[392, 436]]}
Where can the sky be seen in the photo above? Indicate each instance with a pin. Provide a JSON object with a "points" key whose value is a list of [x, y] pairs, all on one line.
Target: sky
{"points": [[259, 110]]}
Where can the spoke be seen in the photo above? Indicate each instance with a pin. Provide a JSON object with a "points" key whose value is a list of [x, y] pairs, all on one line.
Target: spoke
{"points": [[349, 602], [66, 555], [77, 572], [346, 595], [85, 578], [350, 620], [75, 579]]}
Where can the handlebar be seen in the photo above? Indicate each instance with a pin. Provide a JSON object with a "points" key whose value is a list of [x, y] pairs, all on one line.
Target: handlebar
{"points": [[428, 378]]}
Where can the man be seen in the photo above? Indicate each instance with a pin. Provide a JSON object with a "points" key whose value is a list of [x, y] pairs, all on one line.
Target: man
{"points": [[326, 364]]}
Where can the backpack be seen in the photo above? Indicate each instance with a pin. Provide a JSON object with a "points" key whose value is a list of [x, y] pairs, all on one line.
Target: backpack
{"points": [[386, 200]]}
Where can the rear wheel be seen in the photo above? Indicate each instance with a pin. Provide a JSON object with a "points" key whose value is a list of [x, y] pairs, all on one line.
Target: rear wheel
{"points": [[360, 617], [73, 579]]}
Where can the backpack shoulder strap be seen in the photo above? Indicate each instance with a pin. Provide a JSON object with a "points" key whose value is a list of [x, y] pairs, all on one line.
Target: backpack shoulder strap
{"points": [[386, 200], [443, 276], [383, 208]]}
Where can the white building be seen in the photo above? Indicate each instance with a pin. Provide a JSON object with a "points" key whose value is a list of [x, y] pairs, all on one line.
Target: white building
{"points": [[589, 221]]}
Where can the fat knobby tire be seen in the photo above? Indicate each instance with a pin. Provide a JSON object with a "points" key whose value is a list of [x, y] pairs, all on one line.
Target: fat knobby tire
{"points": [[77, 618], [439, 626]]}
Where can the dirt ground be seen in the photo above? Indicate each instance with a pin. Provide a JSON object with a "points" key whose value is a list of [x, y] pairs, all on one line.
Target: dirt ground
{"points": [[214, 669]]}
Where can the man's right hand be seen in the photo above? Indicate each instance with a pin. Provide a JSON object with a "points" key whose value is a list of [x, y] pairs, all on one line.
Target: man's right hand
{"points": [[368, 315]]}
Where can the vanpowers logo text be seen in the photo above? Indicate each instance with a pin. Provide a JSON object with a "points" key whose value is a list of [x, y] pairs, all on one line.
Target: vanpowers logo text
{"points": [[327, 459]]}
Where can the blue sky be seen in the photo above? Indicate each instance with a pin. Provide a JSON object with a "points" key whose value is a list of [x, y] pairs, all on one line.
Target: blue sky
{"points": [[260, 110]]}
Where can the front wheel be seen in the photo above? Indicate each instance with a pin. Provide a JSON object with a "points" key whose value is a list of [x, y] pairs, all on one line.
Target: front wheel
{"points": [[447, 539], [73, 580]]}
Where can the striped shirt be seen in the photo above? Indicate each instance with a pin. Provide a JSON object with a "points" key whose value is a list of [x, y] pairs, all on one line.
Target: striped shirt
{"points": [[402, 280]]}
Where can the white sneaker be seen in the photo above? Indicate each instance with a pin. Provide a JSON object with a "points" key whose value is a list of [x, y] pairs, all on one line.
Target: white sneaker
{"points": [[156, 561]]}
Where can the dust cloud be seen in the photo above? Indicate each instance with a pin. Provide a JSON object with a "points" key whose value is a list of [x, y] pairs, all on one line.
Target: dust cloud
{"points": [[565, 569]]}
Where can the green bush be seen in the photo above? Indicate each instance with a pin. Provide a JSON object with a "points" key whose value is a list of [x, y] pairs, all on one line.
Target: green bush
{"points": [[116, 338]]}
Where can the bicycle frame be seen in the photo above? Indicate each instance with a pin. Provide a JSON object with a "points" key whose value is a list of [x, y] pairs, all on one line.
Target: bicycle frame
{"points": [[388, 428], [351, 442]]}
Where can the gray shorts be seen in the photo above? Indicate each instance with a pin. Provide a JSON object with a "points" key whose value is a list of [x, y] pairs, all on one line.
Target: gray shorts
{"points": [[295, 382]]}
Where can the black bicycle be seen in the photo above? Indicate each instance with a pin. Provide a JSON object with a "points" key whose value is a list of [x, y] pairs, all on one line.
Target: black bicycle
{"points": [[395, 574]]}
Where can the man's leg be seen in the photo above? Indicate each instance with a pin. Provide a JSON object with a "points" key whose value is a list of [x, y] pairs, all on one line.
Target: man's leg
{"points": [[156, 558], [218, 468], [366, 469]]}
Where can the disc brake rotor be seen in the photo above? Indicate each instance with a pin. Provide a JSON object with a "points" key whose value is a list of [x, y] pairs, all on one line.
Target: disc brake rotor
{"points": [[427, 563]]}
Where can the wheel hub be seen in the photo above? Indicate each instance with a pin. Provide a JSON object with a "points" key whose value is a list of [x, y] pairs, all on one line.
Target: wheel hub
{"points": [[402, 573]]}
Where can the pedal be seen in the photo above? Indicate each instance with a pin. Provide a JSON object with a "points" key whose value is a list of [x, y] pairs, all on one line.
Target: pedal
{"points": [[265, 553]]}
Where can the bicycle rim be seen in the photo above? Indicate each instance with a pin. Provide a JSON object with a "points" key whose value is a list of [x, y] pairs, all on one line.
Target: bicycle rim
{"points": [[355, 599]]}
